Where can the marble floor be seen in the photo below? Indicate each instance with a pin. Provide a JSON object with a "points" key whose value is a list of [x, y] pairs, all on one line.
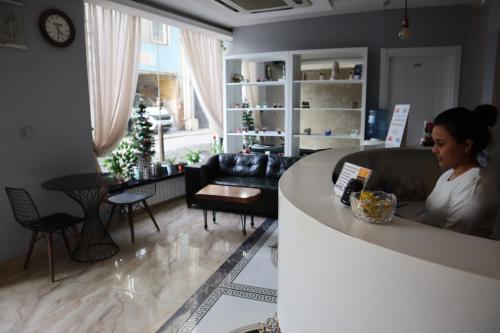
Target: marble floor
{"points": [[242, 293], [135, 291]]}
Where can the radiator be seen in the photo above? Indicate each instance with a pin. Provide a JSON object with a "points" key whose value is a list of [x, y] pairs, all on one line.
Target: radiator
{"points": [[168, 189]]}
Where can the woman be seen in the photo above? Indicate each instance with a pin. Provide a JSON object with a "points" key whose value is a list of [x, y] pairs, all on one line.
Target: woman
{"points": [[458, 201]]}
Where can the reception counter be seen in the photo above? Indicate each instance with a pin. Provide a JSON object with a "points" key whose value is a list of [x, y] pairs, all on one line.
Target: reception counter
{"points": [[338, 274]]}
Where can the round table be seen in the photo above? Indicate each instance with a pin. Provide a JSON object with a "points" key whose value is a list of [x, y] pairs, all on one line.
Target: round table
{"points": [[88, 190]]}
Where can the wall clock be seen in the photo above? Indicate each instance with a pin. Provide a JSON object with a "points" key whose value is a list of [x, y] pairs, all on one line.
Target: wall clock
{"points": [[57, 28]]}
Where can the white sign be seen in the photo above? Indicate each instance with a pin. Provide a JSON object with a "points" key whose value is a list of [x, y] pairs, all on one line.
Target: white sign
{"points": [[398, 123], [349, 171]]}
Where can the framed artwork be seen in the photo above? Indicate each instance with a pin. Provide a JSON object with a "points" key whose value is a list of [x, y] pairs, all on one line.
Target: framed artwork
{"points": [[12, 24]]}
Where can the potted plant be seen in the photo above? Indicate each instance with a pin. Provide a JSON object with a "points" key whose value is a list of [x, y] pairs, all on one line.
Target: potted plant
{"points": [[216, 147], [157, 170], [170, 163], [181, 166], [121, 161], [193, 156]]}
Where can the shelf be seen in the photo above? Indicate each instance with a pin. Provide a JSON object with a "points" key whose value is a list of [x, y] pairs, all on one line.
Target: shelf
{"points": [[264, 83], [326, 109], [322, 136], [261, 133], [328, 81], [255, 109]]}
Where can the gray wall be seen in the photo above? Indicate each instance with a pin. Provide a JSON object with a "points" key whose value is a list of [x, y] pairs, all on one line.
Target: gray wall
{"points": [[490, 48], [46, 88], [437, 26]]}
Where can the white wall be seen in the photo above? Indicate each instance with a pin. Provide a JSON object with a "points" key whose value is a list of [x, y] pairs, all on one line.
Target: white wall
{"points": [[46, 88]]}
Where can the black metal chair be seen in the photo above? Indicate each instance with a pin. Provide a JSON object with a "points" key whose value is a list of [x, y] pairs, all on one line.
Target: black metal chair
{"points": [[26, 213], [130, 198]]}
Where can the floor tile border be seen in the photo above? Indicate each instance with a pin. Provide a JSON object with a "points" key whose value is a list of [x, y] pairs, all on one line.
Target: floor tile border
{"points": [[196, 304]]}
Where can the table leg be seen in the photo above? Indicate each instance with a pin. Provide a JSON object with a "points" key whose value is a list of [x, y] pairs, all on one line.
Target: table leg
{"points": [[205, 218], [251, 220], [243, 218], [95, 244], [213, 216]]}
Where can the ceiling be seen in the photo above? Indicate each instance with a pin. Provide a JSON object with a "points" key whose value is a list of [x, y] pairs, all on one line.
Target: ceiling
{"points": [[209, 11]]}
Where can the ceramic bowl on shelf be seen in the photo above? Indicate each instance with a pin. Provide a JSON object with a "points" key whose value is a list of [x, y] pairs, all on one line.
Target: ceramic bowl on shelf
{"points": [[373, 206]]}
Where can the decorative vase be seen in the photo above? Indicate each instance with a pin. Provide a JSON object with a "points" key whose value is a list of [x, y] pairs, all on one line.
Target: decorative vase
{"points": [[170, 168]]}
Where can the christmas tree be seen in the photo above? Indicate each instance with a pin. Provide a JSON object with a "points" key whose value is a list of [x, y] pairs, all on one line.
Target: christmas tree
{"points": [[142, 139], [248, 123]]}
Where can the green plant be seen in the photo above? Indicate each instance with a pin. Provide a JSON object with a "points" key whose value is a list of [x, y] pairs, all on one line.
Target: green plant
{"points": [[142, 135], [121, 160], [248, 122], [193, 156], [216, 147], [171, 160]]}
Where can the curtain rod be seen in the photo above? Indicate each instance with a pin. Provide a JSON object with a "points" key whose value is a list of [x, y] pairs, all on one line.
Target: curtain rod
{"points": [[162, 16]]}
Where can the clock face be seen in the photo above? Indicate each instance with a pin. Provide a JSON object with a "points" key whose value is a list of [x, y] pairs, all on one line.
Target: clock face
{"points": [[57, 28]]}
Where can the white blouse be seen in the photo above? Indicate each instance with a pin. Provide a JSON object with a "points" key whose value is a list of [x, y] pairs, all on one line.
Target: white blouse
{"points": [[458, 204]]}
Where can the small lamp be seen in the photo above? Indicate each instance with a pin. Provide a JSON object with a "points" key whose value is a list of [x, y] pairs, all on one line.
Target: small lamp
{"points": [[405, 32]]}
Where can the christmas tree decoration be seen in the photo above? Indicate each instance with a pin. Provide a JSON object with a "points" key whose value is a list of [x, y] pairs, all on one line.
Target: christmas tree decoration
{"points": [[142, 135], [248, 122]]}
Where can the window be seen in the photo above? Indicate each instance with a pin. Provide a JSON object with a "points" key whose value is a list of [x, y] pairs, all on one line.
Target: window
{"points": [[163, 86], [159, 33]]}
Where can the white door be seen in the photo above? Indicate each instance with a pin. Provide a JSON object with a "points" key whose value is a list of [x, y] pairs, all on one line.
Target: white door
{"points": [[425, 78]]}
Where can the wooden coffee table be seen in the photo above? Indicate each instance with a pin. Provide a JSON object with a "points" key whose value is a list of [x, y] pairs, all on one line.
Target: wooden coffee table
{"points": [[244, 196]]}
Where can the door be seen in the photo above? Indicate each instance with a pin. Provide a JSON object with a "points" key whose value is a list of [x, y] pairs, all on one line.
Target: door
{"points": [[425, 78]]}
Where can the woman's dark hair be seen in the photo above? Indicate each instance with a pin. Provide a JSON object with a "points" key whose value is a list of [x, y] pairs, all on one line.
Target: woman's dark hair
{"points": [[464, 124]]}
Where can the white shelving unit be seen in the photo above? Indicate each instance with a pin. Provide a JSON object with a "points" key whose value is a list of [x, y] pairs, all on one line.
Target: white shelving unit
{"points": [[337, 104], [272, 88], [287, 91], [332, 136]]}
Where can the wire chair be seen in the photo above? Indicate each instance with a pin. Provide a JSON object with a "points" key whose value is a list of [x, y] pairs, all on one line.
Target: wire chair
{"points": [[26, 213]]}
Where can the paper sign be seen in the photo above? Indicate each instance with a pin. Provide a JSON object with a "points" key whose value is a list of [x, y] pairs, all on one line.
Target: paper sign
{"points": [[349, 171], [398, 123]]}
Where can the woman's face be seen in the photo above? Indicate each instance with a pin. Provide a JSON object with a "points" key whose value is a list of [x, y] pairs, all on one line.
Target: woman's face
{"points": [[449, 153]]}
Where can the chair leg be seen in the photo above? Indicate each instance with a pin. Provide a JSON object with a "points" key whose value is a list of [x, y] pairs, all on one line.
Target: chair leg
{"points": [[63, 232], [150, 214], [51, 257], [113, 206], [131, 220], [34, 236]]}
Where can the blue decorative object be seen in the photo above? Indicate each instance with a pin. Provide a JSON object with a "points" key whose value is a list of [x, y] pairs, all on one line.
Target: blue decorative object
{"points": [[328, 132]]}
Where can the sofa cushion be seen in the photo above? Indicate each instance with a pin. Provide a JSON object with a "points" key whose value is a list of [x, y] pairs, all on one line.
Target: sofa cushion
{"points": [[277, 165], [242, 165], [254, 182]]}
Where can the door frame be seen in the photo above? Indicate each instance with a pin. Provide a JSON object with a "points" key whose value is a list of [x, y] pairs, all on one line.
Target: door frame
{"points": [[454, 52]]}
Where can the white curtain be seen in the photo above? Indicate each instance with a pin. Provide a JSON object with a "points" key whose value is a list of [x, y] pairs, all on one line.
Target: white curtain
{"points": [[113, 51], [251, 93], [204, 56]]}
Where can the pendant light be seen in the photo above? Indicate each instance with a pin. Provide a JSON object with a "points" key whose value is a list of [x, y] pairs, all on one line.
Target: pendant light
{"points": [[405, 32]]}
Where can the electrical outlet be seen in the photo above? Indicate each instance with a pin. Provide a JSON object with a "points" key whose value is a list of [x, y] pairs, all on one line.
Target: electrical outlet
{"points": [[26, 133]]}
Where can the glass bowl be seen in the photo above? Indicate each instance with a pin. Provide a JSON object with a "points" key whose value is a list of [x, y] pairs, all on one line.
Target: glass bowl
{"points": [[373, 206]]}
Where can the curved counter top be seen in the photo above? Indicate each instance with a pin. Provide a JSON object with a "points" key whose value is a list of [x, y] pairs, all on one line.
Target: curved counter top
{"points": [[352, 276]]}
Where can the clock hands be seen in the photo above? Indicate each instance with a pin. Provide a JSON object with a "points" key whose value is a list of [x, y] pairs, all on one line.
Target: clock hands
{"points": [[60, 36]]}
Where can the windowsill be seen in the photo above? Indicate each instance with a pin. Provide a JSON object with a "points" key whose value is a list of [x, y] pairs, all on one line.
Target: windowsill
{"points": [[173, 133]]}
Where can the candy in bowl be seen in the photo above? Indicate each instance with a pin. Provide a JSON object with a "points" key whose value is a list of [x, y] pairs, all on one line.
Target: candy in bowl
{"points": [[373, 206]]}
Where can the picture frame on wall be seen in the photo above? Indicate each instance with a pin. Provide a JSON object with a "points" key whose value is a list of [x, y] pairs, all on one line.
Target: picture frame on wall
{"points": [[12, 24]]}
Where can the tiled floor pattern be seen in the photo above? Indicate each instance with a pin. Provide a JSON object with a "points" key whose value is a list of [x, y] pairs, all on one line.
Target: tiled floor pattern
{"points": [[242, 292]]}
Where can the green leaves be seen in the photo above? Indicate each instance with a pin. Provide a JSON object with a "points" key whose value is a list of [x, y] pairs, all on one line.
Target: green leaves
{"points": [[193, 156], [142, 135], [121, 160]]}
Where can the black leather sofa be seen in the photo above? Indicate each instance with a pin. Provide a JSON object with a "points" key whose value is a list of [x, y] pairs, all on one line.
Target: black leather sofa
{"points": [[255, 170]]}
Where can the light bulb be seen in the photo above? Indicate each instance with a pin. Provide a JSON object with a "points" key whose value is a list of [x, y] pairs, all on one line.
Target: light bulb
{"points": [[405, 32]]}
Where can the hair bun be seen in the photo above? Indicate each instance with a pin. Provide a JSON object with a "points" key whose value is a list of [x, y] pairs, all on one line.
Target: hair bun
{"points": [[487, 114]]}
